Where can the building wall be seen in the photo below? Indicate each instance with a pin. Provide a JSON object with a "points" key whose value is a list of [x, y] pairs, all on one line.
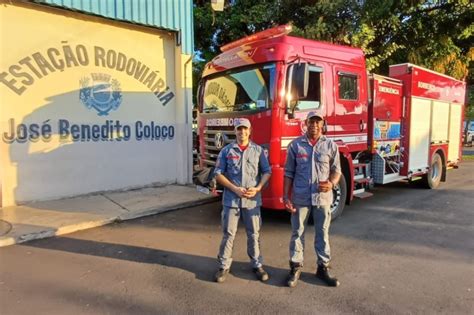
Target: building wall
{"points": [[89, 104]]}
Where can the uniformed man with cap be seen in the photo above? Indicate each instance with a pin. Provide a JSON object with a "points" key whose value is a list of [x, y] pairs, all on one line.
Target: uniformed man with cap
{"points": [[312, 169], [242, 169]]}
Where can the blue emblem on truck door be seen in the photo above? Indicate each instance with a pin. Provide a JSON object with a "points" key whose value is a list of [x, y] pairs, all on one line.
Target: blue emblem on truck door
{"points": [[102, 94]]}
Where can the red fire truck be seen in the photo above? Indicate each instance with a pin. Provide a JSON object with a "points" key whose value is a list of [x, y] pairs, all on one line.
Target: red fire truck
{"points": [[403, 127]]}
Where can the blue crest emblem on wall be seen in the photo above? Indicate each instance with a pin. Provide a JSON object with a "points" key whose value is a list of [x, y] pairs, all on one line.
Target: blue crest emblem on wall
{"points": [[102, 94]]}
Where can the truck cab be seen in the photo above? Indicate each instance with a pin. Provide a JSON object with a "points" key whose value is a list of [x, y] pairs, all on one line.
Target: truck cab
{"points": [[258, 77]]}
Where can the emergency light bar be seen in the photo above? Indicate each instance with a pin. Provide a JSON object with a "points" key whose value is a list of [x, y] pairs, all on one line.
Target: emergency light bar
{"points": [[270, 33]]}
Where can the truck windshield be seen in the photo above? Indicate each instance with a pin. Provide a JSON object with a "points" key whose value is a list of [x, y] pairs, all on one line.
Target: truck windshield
{"points": [[232, 91]]}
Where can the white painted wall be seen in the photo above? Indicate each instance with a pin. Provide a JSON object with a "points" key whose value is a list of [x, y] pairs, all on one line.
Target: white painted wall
{"points": [[53, 167]]}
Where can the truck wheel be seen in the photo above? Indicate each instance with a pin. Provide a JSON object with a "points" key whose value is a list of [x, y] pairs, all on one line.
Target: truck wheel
{"points": [[433, 178], [339, 198]]}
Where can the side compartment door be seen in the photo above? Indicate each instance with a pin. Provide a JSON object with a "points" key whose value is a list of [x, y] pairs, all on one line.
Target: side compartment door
{"points": [[455, 118], [419, 148]]}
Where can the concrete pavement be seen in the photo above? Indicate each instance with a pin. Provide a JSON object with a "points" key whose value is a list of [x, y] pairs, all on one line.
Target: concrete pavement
{"points": [[406, 250], [37, 220]]}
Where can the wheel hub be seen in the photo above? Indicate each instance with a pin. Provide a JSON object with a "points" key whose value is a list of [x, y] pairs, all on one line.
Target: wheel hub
{"points": [[336, 198]]}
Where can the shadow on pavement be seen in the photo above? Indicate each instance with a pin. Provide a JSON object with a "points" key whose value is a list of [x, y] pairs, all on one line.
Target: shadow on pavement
{"points": [[203, 267]]}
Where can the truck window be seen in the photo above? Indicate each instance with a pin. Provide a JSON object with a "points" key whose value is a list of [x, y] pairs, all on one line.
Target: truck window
{"points": [[240, 90], [313, 98], [348, 86]]}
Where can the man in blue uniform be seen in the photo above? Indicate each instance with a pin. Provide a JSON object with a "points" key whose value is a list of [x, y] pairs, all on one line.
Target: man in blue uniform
{"points": [[242, 169], [312, 169]]}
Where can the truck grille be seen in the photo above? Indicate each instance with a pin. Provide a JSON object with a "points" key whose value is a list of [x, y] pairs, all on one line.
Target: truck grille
{"points": [[214, 141]]}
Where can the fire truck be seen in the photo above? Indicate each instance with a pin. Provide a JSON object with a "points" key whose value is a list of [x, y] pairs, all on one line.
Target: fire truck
{"points": [[403, 127]]}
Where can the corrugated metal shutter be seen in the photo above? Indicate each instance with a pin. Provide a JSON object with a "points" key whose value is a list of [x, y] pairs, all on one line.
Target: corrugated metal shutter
{"points": [[176, 15]]}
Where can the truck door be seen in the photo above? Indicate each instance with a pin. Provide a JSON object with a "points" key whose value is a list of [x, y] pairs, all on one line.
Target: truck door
{"points": [[294, 125], [350, 106]]}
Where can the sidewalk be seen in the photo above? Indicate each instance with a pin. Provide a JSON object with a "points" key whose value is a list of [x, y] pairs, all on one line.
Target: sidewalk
{"points": [[37, 220]]}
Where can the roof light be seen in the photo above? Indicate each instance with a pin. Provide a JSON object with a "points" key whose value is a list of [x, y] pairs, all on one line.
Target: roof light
{"points": [[270, 33]]}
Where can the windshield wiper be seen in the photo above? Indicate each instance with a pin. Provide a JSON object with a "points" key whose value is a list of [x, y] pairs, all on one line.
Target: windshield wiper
{"points": [[211, 109], [245, 106]]}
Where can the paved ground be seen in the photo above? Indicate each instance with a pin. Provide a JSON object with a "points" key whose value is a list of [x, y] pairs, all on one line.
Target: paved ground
{"points": [[405, 250]]}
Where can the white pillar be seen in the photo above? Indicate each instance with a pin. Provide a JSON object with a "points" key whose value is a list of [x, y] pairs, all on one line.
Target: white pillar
{"points": [[183, 87]]}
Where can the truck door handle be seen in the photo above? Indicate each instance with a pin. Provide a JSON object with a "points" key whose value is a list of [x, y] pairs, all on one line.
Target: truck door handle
{"points": [[362, 125]]}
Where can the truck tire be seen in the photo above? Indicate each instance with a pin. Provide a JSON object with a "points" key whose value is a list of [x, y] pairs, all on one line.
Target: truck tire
{"points": [[339, 198], [433, 178]]}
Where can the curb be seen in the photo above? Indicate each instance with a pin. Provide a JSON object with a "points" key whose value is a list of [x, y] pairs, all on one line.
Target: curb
{"points": [[50, 232], [153, 211]]}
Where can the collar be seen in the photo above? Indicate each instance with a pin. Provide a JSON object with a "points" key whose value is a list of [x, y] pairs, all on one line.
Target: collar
{"points": [[322, 138], [236, 145]]}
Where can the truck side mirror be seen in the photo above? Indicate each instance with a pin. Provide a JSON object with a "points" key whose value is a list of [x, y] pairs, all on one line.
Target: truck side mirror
{"points": [[299, 81], [299, 85]]}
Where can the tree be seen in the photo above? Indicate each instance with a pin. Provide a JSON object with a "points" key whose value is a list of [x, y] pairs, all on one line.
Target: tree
{"points": [[433, 34], [212, 30]]}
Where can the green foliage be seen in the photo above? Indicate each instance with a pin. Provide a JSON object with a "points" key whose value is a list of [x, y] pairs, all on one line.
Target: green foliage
{"points": [[438, 35], [434, 34]]}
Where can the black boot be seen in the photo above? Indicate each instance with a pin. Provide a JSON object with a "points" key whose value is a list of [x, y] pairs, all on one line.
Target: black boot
{"points": [[295, 273], [324, 275], [221, 275], [261, 274]]}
